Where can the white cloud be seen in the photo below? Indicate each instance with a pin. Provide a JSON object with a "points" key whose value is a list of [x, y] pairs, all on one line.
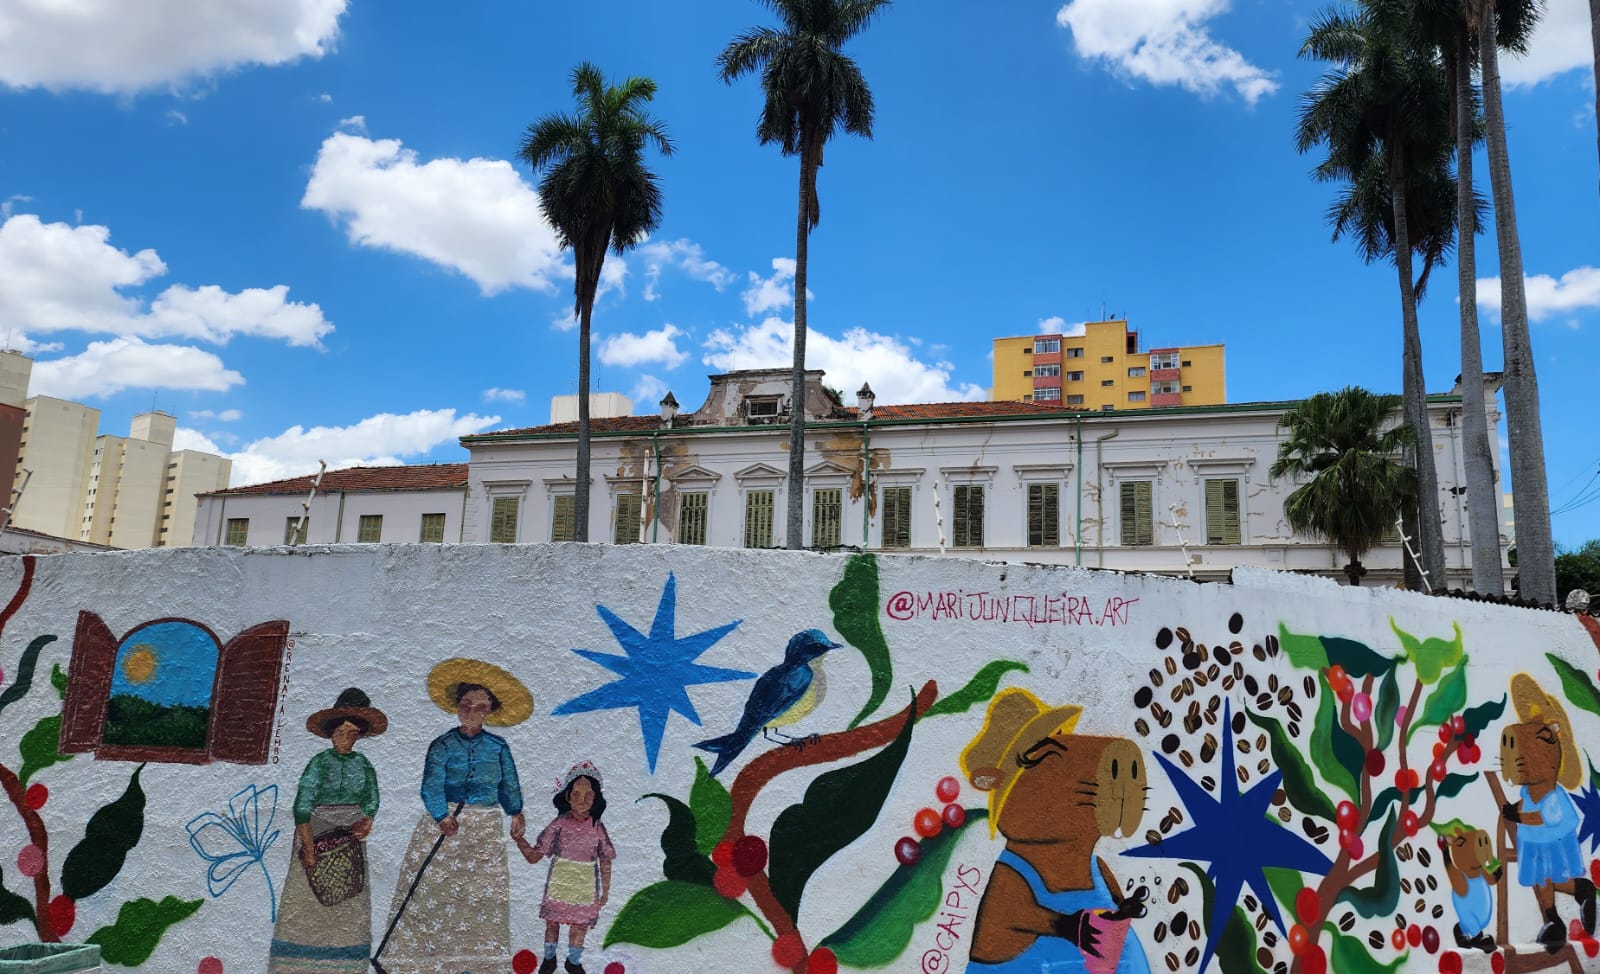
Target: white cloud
{"points": [[1576, 290], [1164, 42], [109, 367], [116, 46], [1057, 325], [60, 277], [686, 255], [355, 123], [474, 216], [496, 394], [9, 204], [382, 440], [885, 361], [1560, 43], [775, 293], [225, 416], [176, 117], [648, 389], [325, 98], [628, 350]]}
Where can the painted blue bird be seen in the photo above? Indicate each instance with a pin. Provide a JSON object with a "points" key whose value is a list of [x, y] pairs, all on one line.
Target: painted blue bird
{"points": [[782, 695]]}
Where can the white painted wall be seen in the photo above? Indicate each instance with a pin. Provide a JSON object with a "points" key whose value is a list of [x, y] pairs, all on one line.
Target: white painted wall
{"points": [[334, 516]]}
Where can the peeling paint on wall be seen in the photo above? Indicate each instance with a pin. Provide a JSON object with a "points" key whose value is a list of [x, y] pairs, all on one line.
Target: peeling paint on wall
{"points": [[653, 758]]}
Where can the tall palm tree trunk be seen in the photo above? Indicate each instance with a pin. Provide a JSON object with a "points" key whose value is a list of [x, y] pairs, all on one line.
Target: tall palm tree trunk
{"points": [[1483, 506], [580, 497], [794, 526], [1413, 391], [1594, 40], [1536, 569]]}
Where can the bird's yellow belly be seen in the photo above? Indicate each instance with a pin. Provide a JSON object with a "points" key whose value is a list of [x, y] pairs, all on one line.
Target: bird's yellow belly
{"points": [[806, 703]]}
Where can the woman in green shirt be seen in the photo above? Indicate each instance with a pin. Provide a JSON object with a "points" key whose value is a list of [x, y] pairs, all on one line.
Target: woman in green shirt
{"points": [[325, 919]]}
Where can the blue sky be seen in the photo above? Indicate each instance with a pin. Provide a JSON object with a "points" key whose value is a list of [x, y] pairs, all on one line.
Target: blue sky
{"points": [[298, 227]]}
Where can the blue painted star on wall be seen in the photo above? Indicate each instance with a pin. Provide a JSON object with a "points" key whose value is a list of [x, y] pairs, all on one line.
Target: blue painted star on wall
{"points": [[655, 672], [1588, 801], [1234, 834]]}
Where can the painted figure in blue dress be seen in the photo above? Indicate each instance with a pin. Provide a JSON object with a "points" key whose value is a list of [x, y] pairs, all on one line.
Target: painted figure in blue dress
{"points": [[1470, 866], [1539, 754], [1051, 903]]}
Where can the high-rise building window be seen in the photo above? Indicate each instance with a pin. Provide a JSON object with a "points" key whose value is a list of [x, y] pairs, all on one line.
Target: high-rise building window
{"points": [[826, 508], [758, 519], [1136, 397], [1046, 346], [1048, 395], [432, 531], [503, 520], [1138, 522], [1137, 372], [1222, 512], [692, 510], [1044, 515], [1074, 353], [369, 530], [896, 520], [1051, 369], [1074, 376], [966, 518], [1074, 400]]}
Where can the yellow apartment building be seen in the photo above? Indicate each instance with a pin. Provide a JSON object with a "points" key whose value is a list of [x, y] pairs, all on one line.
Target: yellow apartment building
{"points": [[1105, 368]]}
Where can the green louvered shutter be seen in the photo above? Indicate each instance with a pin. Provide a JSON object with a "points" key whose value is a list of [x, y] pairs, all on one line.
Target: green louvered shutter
{"points": [[1222, 512], [1137, 521]]}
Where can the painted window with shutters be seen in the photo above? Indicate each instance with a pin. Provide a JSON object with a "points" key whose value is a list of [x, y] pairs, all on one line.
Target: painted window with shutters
{"points": [[692, 511], [896, 517], [289, 536], [563, 518], [432, 529], [758, 519], [238, 530], [1138, 525], [1222, 512], [966, 518], [826, 507], [1044, 515], [503, 520], [625, 530], [369, 530]]}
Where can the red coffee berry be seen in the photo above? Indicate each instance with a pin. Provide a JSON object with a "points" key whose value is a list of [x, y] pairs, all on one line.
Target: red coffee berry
{"points": [[749, 855], [722, 853], [947, 789], [1430, 939], [615, 967], [729, 883], [1438, 770], [1298, 939], [1449, 962], [1375, 763], [1306, 905], [524, 961], [209, 965], [1346, 815], [927, 823], [1497, 961], [822, 961], [907, 851], [1409, 822], [36, 796], [1313, 961], [788, 950], [1414, 935], [1398, 939], [63, 914], [1458, 725], [1445, 733], [954, 816]]}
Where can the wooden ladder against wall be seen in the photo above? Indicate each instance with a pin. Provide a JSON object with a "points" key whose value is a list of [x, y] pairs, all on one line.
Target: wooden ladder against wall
{"points": [[1505, 843]]}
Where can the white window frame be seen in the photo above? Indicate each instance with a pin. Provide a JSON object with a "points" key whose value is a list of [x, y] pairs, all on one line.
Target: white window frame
{"points": [[1131, 470], [517, 489]]}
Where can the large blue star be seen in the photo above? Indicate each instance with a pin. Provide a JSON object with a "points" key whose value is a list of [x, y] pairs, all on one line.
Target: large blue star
{"points": [[1234, 834], [656, 671]]}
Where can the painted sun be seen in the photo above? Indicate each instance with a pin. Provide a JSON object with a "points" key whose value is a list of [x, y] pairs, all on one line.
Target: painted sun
{"points": [[140, 664]]}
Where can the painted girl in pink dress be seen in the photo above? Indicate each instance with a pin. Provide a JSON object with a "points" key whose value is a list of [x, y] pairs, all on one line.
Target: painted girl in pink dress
{"points": [[580, 852]]}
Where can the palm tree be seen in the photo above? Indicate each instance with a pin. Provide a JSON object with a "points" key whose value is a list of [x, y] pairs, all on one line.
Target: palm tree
{"points": [[1509, 23], [599, 195], [812, 89], [1357, 486], [1382, 111]]}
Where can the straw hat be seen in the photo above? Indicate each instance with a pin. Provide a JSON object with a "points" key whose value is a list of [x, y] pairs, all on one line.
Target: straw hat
{"points": [[516, 703], [352, 704], [1015, 722], [1533, 703]]}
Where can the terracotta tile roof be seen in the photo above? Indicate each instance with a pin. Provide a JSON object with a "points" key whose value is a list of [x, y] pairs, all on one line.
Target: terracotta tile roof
{"points": [[432, 476], [928, 410], [608, 424]]}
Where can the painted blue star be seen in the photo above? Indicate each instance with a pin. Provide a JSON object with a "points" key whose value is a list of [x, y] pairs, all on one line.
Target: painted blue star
{"points": [[1588, 802], [656, 671], [1234, 834]]}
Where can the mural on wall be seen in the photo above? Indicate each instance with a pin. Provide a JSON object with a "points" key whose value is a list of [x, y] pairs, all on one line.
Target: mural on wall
{"points": [[110, 835], [1010, 779]]}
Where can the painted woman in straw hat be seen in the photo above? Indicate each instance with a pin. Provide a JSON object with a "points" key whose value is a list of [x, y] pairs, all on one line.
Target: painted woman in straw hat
{"points": [[1540, 754], [457, 918], [325, 920]]}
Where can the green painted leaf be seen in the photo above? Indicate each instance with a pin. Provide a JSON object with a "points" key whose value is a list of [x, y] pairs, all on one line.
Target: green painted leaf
{"points": [[58, 679], [1298, 782], [683, 862], [671, 914], [112, 831], [1324, 732], [14, 908], [1387, 797], [1285, 885], [880, 930], [712, 808], [139, 927], [1386, 709], [854, 602], [1358, 659], [1236, 950], [1443, 700], [1452, 784], [838, 808], [1380, 898], [978, 690], [1579, 688], [25, 666], [1305, 652], [1348, 955], [1431, 656], [1479, 717], [38, 747]]}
